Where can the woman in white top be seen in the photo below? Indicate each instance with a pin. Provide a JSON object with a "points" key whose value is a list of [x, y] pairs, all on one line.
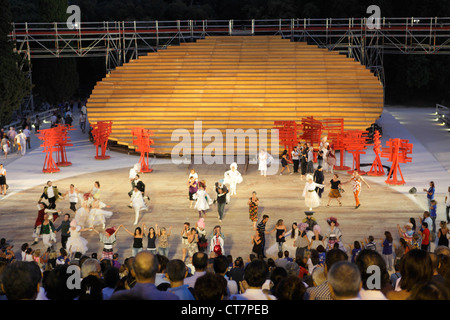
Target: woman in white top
{"points": [[96, 190], [262, 157], [232, 177], [73, 197]]}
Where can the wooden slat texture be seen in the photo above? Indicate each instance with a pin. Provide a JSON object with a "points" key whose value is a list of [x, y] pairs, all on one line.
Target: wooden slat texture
{"points": [[243, 82]]}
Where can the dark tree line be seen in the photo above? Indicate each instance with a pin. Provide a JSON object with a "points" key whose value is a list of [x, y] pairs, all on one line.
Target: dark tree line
{"points": [[409, 79]]}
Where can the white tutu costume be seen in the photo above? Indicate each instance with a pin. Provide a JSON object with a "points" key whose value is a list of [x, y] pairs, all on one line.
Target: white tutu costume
{"points": [[232, 177], [76, 243], [288, 245], [97, 215], [312, 199], [203, 200], [82, 213]]}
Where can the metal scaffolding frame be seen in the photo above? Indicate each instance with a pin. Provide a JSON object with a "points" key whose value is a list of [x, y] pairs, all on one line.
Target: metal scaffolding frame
{"points": [[120, 41]]}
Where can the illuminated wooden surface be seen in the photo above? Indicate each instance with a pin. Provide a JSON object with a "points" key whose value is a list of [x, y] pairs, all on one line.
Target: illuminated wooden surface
{"points": [[234, 82]]}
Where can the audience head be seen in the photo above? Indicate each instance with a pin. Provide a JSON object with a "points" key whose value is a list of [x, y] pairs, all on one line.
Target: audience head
{"points": [[21, 280], [290, 288], [430, 290], [210, 287], [220, 265], [364, 261], [200, 261], [344, 280], [91, 288], [333, 256], [176, 270], [256, 273], [415, 267], [91, 267], [145, 267]]}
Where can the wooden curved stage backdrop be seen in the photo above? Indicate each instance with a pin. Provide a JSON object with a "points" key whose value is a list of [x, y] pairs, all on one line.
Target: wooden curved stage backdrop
{"points": [[236, 82]]}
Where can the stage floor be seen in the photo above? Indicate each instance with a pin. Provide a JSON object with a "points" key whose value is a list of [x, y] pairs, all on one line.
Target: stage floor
{"points": [[280, 197]]}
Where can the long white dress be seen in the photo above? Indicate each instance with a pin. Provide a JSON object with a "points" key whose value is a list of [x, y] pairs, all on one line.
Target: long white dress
{"points": [[76, 243], [97, 216], [312, 199], [138, 204], [202, 200], [287, 245], [262, 157]]}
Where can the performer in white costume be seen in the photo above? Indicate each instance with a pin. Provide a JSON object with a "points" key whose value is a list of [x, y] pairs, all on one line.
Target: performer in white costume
{"points": [[262, 157], [312, 199], [82, 213], [76, 243], [232, 177], [138, 203], [97, 215]]}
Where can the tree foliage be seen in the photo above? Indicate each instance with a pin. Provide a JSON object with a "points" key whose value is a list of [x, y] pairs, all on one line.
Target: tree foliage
{"points": [[14, 84]]}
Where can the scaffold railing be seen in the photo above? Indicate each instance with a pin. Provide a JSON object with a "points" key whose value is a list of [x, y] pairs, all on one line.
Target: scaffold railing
{"points": [[120, 41]]}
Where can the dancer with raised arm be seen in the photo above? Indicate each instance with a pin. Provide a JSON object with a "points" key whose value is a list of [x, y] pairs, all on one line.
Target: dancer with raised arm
{"points": [[312, 199], [137, 202], [356, 181], [232, 177], [108, 238], [76, 243]]}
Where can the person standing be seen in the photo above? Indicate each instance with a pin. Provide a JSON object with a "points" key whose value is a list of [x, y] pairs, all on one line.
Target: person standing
{"points": [[312, 200], [447, 205], [73, 197], [425, 233], [387, 250], [310, 157], [47, 231], [262, 166], [319, 179], [21, 141], [285, 162], [138, 204], [356, 181], [2, 180], [64, 228], [203, 200], [335, 193], [430, 193], [132, 176], [12, 138], [221, 191], [253, 204], [443, 234], [82, 120], [193, 188], [184, 240], [37, 123], [27, 134], [261, 228], [295, 158], [5, 145], [50, 193], [331, 159]]}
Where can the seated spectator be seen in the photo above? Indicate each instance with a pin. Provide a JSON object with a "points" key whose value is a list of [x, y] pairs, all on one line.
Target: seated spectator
{"points": [[176, 271], [111, 279], [370, 244], [276, 276], [161, 282], [255, 276], [220, 266], [21, 280], [430, 290], [372, 289], [145, 266], [200, 262], [281, 261], [290, 288], [435, 262], [55, 284], [210, 287], [415, 267], [344, 281], [322, 291], [91, 288], [318, 276], [91, 267]]}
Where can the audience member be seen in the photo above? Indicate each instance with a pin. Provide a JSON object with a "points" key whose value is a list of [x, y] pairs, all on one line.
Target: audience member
{"points": [[344, 281], [176, 273]]}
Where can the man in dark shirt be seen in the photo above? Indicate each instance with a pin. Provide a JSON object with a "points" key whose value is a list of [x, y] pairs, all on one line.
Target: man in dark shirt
{"points": [[319, 178], [221, 191], [64, 228], [261, 227]]}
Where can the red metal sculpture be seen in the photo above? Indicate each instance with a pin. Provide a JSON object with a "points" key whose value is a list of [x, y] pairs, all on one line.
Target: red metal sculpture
{"points": [[377, 167], [100, 132], [397, 152], [143, 143], [288, 131], [62, 143], [355, 142], [312, 130], [50, 139]]}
